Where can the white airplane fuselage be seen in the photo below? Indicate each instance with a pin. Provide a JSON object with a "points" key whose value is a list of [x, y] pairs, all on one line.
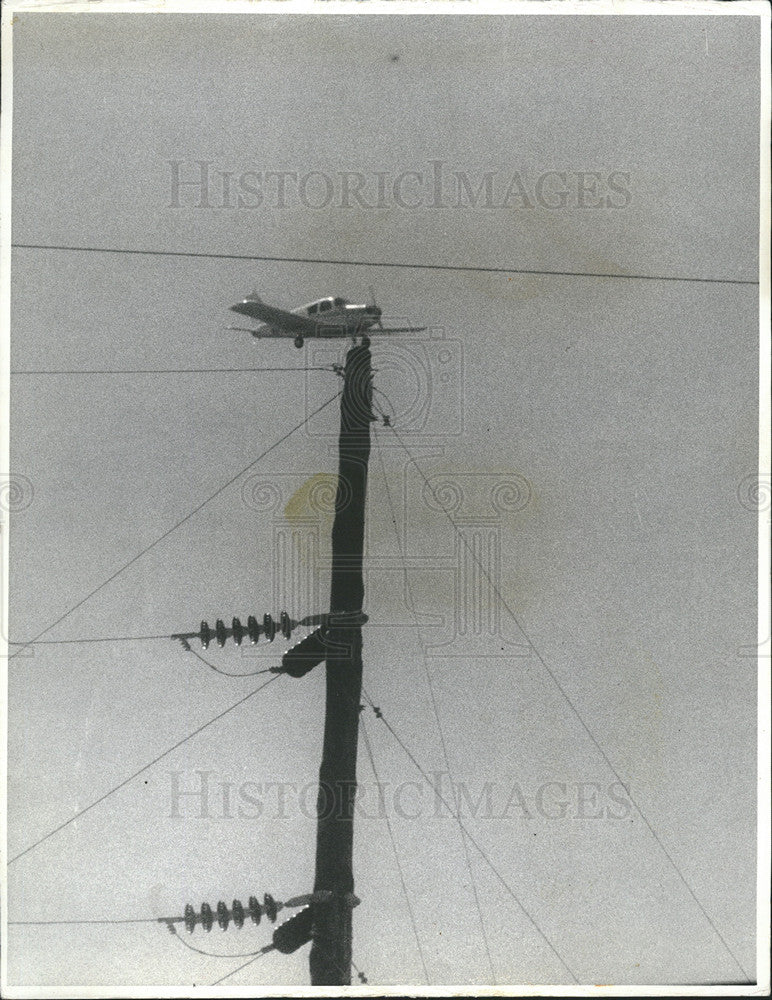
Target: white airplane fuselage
{"points": [[329, 317], [338, 318]]}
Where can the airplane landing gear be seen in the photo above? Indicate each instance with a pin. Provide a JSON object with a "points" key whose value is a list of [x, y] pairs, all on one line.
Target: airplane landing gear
{"points": [[298, 342]]}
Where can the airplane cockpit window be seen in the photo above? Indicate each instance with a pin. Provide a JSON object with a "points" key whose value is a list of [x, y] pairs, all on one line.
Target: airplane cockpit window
{"points": [[314, 308], [339, 302], [325, 305]]}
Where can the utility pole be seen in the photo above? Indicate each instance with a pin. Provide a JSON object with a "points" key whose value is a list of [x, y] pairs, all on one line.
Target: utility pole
{"points": [[326, 919], [330, 958]]}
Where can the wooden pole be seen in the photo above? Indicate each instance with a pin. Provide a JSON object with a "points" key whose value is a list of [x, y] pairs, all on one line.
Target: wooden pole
{"points": [[330, 959]]}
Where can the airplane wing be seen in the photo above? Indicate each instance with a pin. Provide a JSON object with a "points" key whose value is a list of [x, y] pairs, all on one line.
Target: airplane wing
{"points": [[283, 323], [263, 332], [395, 329]]}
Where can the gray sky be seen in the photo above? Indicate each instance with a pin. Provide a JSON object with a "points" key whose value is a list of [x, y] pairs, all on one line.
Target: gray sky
{"points": [[628, 405]]}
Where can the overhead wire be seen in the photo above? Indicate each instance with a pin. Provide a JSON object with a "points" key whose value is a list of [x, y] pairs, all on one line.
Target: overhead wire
{"points": [[573, 708], [477, 269], [234, 971], [214, 954], [101, 638], [141, 770], [253, 957], [105, 920], [227, 673], [454, 812], [362, 977], [220, 715], [179, 523], [408, 904], [169, 922], [438, 723], [141, 920], [169, 371]]}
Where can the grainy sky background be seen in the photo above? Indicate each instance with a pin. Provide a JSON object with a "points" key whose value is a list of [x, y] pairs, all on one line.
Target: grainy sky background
{"points": [[629, 406]]}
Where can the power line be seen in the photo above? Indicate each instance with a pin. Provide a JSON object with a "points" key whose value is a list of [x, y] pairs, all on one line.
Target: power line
{"points": [[142, 770], [473, 884], [226, 673], [574, 709], [481, 851], [372, 263], [276, 905], [129, 638], [182, 521], [240, 967], [233, 972], [411, 914], [166, 371], [277, 627], [106, 638], [60, 923], [212, 954], [427, 672]]}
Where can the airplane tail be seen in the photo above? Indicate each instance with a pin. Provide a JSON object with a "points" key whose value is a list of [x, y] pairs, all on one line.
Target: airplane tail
{"points": [[253, 297]]}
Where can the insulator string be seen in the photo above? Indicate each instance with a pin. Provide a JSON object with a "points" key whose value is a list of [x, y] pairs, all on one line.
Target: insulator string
{"points": [[294, 902]]}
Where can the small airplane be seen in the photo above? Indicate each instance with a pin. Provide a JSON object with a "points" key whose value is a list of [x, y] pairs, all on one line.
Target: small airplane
{"points": [[326, 318]]}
